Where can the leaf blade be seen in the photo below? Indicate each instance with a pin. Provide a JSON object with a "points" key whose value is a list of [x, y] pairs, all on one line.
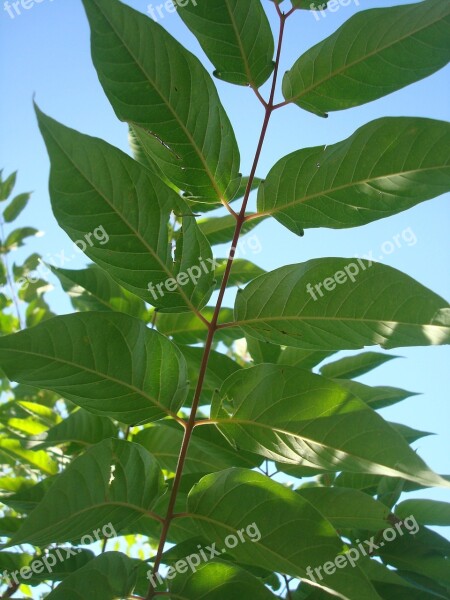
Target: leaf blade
{"points": [[290, 415], [385, 307], [107, 363], [189, 137], [100, 206], [374, 53], [237, 38], [385, 167]]}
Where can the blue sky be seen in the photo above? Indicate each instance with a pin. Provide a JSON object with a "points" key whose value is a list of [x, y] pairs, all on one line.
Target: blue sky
{"points": [[45, 51]]}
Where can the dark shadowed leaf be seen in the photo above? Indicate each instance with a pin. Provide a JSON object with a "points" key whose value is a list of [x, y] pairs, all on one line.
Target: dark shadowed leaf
{"points": [[113, 483], [108, 363], [81, 427], [108, 576], [94, 289]]}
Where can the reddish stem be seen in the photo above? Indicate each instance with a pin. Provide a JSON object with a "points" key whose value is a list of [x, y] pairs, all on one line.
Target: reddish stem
{"points": [[213, 326]]}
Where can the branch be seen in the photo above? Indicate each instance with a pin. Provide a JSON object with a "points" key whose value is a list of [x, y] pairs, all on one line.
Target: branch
{"points": [[213, 326]]}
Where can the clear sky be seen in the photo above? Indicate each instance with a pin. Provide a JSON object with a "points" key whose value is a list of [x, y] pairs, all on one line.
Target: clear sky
{"points": [[45, 51]]}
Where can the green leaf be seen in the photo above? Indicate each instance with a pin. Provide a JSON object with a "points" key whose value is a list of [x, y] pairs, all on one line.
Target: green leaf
{"points": [[371, 304], [294, 537], [262, 352], [308, 5], [355, 366], [14, 452], [236, 37], [8, 526], [385, 167], [16, 238], [208, 450], [108, 363], [410, 434], [305, 359], [55, 565], [80, 427], [347, 508], [14, 484], [290, 415], [61, 569], [94, 289], [374, 53], [219, 581], [99, 195], [427, 512], [12, 561], [112, 483], [378, 396], [7, 186], [242, 271], [423, 552], [220, 230], [108, 576], [27, 498], [175, 112], [16, 206], [37, 311]]}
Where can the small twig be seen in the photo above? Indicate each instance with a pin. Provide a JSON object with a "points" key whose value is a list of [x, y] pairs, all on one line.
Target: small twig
{"points": [[213, 326], [281, 104], [257, 215], [258, 95], [226, 325], [11, 590], [289, 13], [229, 209]]}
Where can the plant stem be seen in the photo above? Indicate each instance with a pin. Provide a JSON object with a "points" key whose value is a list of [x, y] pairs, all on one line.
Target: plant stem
{"points": [[213, 325]]}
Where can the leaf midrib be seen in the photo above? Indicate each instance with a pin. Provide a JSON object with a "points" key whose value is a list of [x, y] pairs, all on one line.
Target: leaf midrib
{"points": [[141, 393], [78, 513], [350, 184], [363, 58], [168, 105], [273, 428], [151, 251]]}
